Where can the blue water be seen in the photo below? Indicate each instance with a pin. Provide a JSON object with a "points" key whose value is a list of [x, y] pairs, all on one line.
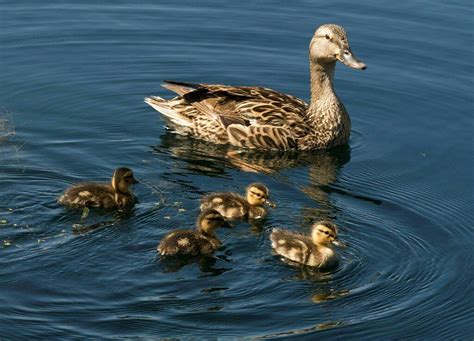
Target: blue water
{"points": [[74, 75]]}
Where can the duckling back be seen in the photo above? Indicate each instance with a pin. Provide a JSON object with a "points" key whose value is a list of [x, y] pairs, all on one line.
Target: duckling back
{"points": [[89, 194], [95, 195], [187, 242], [229, 205]]}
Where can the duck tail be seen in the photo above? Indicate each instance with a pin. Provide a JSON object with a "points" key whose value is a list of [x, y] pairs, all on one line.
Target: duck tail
{"points": [[275, 236], [173, 117], [181, 88]]}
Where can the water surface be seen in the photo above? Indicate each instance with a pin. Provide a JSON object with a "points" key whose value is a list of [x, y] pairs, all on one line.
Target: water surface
{"points": [[73, 81]]}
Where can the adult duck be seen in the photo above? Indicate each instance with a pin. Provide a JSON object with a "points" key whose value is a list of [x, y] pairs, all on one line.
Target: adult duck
{"points": [[262, 118]]}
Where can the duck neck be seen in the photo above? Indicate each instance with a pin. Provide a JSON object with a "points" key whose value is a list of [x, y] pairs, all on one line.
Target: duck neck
{"points": [[326, 251], [206, 230], [121, 199], [323, 96]]}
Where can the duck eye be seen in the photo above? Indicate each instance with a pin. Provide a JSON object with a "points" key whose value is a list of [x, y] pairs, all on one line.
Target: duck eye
{"points": [[328, 37]]}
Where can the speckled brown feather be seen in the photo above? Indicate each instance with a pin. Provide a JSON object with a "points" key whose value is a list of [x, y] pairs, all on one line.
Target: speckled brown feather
{"points": [[262, 118], [187, 242], [92, 195], [299, 248], [249, 117], [232, 206]]}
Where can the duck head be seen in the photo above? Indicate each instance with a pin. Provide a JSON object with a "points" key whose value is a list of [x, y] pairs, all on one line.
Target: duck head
{"points": [[122, 180], [257, 194], [325, 233], [330, 44], [209, 220]]}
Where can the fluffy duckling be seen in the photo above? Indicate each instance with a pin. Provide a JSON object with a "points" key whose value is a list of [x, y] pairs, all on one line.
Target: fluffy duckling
{"points": [[314, 250], [202, 241], [116, 195], [234, 206]]}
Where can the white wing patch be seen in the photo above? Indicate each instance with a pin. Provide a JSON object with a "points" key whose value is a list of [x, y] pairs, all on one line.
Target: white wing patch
{"points": [[183, 242]]}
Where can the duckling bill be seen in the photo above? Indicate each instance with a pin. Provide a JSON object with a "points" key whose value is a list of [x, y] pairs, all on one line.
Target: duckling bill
{"points": [[235, 206], [201, 241], [116, 195], [314, 250]]}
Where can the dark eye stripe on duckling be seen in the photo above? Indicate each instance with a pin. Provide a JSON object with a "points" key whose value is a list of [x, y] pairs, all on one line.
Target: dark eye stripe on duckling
{"points": [[327, 233], [258, 194], [213, 216]]}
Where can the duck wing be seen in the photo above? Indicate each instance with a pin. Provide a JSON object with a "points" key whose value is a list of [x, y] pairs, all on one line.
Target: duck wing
{"points": [[254, 117], [88, 194], [185, 242], [229, 205], [294, 246]]}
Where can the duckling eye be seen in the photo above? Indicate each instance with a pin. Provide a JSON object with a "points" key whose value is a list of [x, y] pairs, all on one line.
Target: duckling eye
{"points": [[328, 37]]}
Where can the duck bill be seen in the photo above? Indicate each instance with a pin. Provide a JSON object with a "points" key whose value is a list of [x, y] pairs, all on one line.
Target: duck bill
{"points": [[226, 225], [135, 181], [338, 243], [271, 204], [351, 61]]}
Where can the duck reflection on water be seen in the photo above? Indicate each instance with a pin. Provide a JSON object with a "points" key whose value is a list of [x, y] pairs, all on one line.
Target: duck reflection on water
{"points": [[208, 265], [207, 158]]}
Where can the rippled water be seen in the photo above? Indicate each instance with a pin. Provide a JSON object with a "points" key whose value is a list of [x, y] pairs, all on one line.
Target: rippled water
{"points": [[73, 81]]}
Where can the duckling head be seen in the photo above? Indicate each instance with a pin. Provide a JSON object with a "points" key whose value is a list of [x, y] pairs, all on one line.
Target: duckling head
{"points": [[122, 180], [325, 233], [330, 44], [209, 220], [257, 194]]}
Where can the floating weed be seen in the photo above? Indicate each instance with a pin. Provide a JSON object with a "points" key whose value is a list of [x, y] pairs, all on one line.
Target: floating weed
{"points": [[85, 213]]}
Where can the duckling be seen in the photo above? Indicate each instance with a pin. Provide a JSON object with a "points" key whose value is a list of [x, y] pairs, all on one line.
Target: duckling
{"points": [[314, 250], [202, 241], [116, 195], [234, 206]]}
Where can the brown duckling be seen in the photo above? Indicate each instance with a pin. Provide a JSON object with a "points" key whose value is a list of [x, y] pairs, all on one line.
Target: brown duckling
{"points": [[201, 241], [315, 250], [235, 206], [116, 195]]}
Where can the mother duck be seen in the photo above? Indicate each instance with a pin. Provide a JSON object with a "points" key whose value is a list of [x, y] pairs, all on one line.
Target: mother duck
{"points": [[262, 118]]}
